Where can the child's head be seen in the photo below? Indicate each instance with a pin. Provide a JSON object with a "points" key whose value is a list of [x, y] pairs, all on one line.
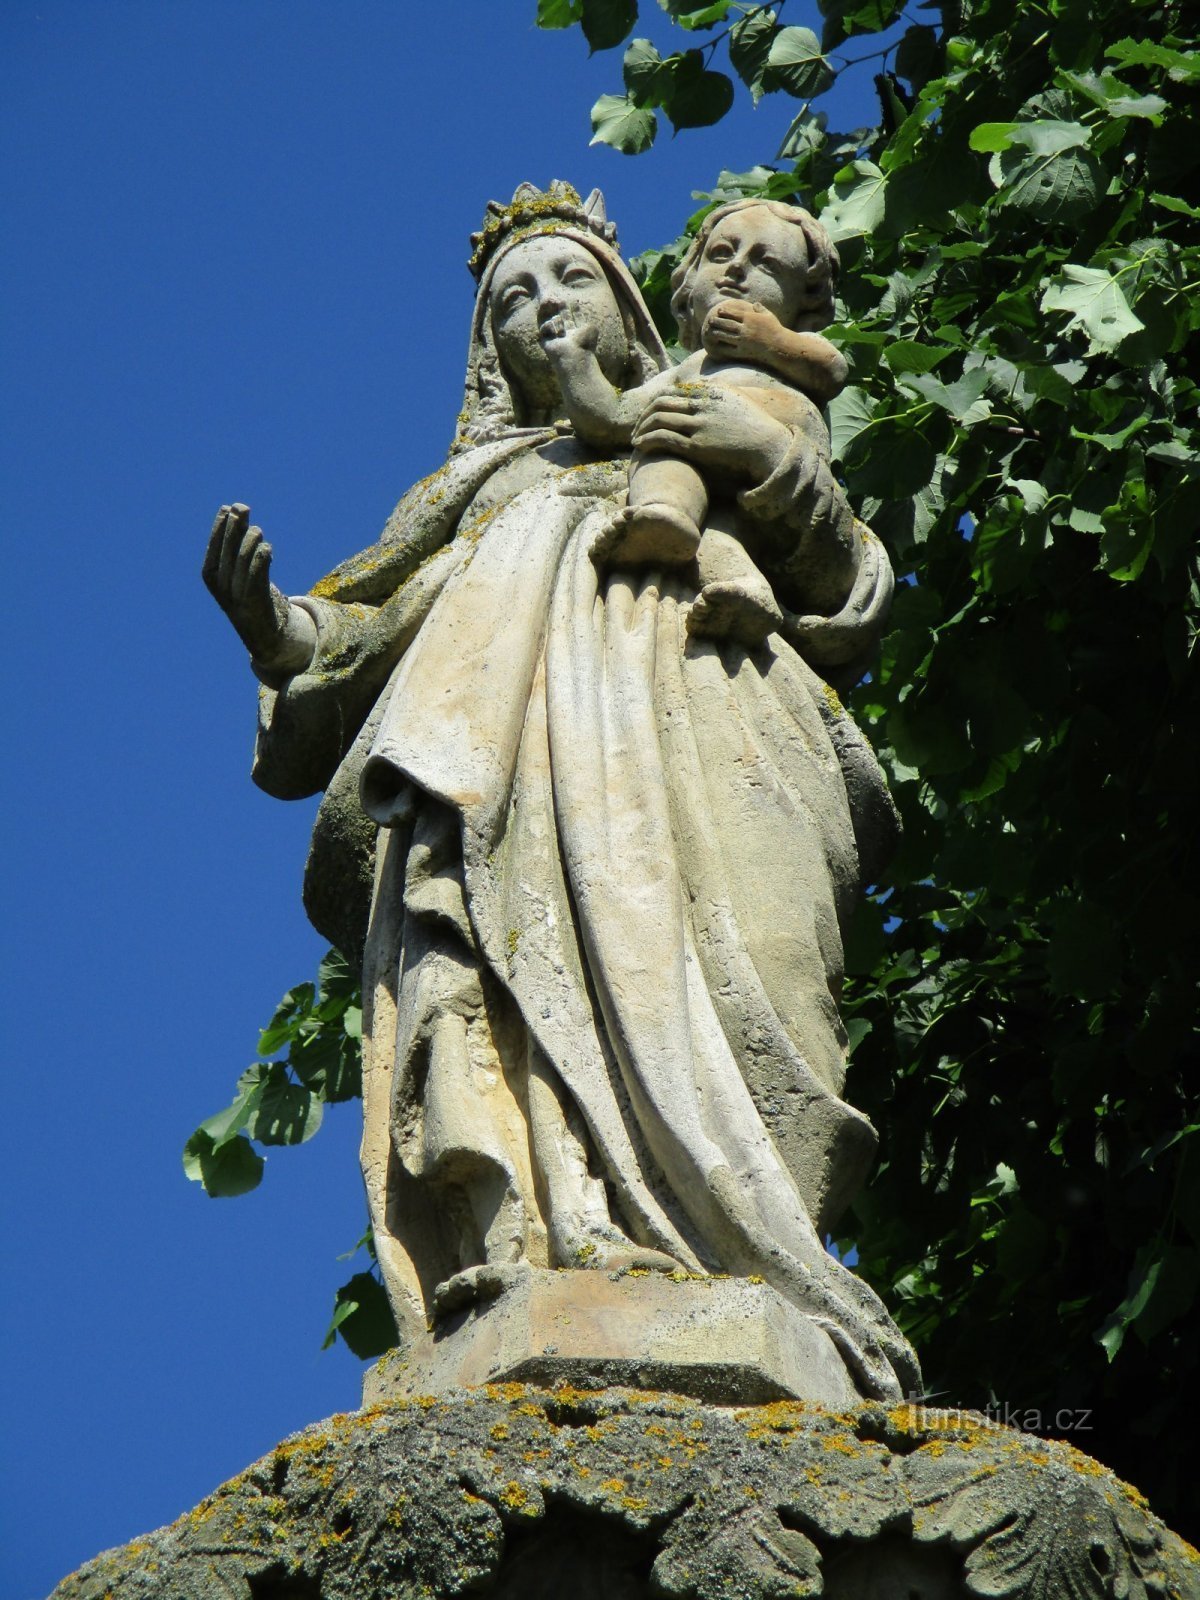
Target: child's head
{"points": [[758, 250]]}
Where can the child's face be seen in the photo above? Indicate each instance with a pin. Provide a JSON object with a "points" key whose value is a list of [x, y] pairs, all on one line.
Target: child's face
{"points": [[752, 255]]}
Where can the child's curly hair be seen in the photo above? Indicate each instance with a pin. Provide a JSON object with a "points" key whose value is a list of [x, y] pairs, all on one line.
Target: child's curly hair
{"points": [[816, 309]]}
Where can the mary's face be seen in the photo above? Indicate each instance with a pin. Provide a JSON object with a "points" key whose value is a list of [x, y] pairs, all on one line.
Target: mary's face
{"points": [[552, 276]]}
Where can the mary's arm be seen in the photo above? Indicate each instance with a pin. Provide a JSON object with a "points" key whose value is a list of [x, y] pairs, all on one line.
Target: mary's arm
{"points": [[308, 721], [324, 658]]}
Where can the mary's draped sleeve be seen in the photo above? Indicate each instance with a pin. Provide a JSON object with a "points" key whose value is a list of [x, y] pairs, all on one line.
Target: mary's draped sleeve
{"points": [[316, 726], [367, 612]]}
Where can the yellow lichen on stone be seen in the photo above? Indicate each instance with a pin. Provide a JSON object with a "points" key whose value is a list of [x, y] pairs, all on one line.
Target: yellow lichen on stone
{"points": [[506, 1391], [842, 1443]]}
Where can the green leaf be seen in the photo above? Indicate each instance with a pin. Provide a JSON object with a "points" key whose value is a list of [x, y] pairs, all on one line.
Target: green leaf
{"points": [[850, 413], [991, 136], [559, 13], [697, 97], [1172, 1295], [329, 1062], [893, 461], [846, 17], [363, 1318], [607, 22], [930, 501], [336, 978], [1137, 105], [1054, 188], [804, 138], [1047, 137], [963, 399], [857, 206], [691, 16], [918, 55], [1181, 66], [617, 121], [229, 1168], [857, 1029], [1092, 298], [906, 355], [1171, 202], [283, 1026], [749, 47], [1033, 494], [284, 1112], [647, 76], [1142, 1281], [798, 64]]}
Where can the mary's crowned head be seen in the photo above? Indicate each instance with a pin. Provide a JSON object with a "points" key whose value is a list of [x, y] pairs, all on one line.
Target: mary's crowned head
{"points": [[547, 253]]}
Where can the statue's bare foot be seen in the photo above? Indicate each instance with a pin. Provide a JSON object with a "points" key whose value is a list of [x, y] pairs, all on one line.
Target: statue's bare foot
{"points": [[485, 1282], [735, 609], [654, 535], [600, 1249]]}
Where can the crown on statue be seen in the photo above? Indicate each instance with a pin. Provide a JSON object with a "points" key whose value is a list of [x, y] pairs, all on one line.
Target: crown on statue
{"points": [[534, 210]]}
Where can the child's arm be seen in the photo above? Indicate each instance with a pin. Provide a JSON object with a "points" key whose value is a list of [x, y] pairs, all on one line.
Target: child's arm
{"points": [[743, 330], [602, 415]]}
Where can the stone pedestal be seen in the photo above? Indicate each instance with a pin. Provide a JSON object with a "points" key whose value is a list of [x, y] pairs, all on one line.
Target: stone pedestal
{"points": [[724, 1339], [530, 1494]]}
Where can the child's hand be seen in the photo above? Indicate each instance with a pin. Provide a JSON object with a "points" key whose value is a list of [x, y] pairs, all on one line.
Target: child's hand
{"points": [[741, 330], [564, 335]]}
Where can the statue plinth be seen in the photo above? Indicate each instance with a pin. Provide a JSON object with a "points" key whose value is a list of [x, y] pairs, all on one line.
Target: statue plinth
{"points": [[727, 1340], [512, 1491]]}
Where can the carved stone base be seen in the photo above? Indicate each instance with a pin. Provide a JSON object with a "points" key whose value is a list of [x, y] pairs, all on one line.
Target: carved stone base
{"points": [[528, 1494], [722, 1339]]}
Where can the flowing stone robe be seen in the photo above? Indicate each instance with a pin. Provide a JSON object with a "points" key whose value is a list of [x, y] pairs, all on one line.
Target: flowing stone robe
{"points": [[604, 953]]}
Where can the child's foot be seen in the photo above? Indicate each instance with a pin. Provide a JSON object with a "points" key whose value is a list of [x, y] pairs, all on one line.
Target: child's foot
{"points": [[655, 534], [735, 610]]}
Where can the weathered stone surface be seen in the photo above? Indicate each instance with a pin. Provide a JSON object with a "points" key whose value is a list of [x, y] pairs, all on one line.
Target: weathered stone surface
{"points": [[727, 1340], [611, 811], [514, 1491]]}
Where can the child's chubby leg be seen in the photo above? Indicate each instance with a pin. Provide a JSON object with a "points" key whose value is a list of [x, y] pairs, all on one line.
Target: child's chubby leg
{"points": [[668, 501], [735, 600]]}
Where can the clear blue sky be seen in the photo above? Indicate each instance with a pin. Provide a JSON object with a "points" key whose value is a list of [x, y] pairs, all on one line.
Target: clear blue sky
{"points": [[235, 236]]}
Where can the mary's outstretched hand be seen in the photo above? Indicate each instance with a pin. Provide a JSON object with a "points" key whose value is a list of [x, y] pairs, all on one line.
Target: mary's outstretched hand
{"points": [[237, 573]]}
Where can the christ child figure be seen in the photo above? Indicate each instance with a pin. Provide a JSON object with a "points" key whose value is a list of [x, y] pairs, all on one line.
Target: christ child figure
{"points": [[749, 297]]}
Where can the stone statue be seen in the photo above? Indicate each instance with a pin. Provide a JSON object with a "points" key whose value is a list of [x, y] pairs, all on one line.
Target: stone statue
{"points": [[756, 282], [592, 813]]}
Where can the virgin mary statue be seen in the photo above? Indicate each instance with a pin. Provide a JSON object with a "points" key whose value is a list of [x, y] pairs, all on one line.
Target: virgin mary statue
{"points": [[595, 866]]}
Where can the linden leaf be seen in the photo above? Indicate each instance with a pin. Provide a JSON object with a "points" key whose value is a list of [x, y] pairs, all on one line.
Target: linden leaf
{"points": [[798, 64], [607, 22], [749, 48], [619, 121], [1092, 298], [559, 13], [857, 207], [229, 1168], [1062, 186]]}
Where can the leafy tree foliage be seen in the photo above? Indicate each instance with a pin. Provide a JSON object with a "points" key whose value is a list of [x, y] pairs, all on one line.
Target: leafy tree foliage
{"points": [[1021, 278], [309, 1055], [1019, 239]]}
